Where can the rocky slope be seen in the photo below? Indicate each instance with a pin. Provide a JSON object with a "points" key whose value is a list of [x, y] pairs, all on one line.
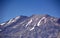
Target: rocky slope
{"points": [[35, 26]]}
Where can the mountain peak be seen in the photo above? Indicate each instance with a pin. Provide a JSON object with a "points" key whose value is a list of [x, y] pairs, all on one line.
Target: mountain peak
{"points": [[36, 26], [44, 15]]}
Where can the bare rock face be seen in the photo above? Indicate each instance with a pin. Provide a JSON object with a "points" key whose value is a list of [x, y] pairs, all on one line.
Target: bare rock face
{"points": [[58, 21], [35, 26]]}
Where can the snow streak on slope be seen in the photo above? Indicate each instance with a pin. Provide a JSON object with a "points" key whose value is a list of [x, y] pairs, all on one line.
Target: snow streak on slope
{"points": [[32, 27], [17, 17], [2, 24], [42, 19], [10, 21], [28, 22], [13, 20]]}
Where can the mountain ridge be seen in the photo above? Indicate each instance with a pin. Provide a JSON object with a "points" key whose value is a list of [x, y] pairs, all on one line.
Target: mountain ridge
{"points": [[35, 26]]}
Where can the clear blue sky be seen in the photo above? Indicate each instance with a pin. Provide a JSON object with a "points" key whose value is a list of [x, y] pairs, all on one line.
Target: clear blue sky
{"points": [[12, 8]]}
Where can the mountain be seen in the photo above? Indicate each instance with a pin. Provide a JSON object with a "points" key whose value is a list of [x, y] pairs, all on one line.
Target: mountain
{"points": [[35, 26]]}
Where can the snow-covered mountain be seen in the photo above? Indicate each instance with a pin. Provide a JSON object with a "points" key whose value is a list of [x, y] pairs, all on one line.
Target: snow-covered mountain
{"points": [[35, 26]]}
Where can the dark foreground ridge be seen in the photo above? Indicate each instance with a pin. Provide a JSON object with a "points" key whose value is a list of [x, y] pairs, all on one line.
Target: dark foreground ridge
{"points": [[35, 26]]}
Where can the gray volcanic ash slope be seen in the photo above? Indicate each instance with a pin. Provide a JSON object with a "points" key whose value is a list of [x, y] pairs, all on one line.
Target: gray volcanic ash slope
{"points": [[35, 26]]}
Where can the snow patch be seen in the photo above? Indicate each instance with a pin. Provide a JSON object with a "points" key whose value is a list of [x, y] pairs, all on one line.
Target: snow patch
{"points": [[13, 20], [29, 22], [39, 23], [2, 24], [17, 17], [10, 21], [32, 27]]}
